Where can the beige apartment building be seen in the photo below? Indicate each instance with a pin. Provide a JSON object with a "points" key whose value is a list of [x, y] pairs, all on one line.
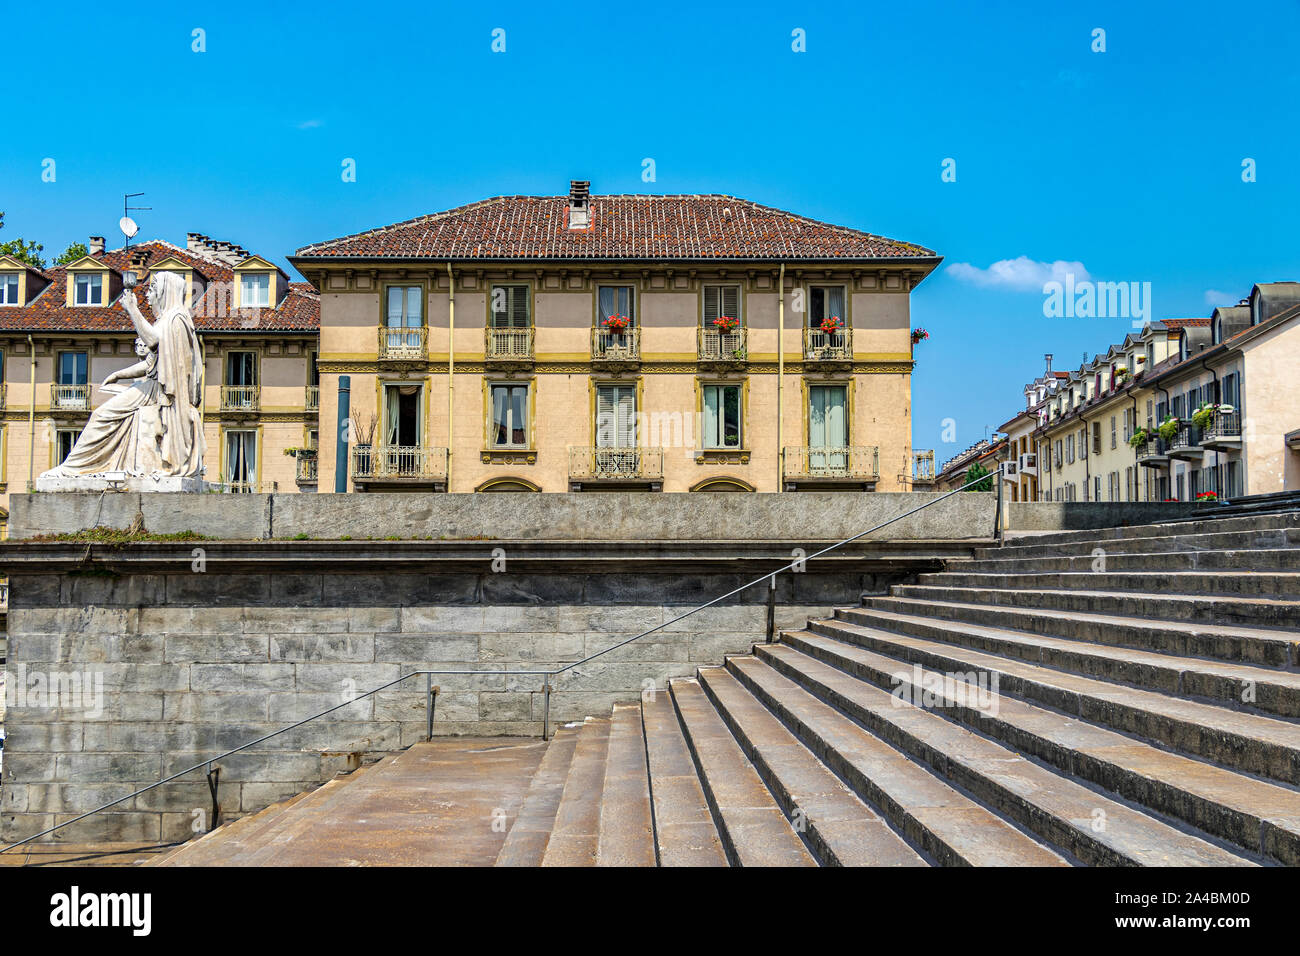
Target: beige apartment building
{"points": [[1097, 430], [585, 342], [63, 330]]}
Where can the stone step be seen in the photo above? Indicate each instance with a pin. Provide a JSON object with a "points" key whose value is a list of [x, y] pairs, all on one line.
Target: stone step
{"points": [[1258, 815], [754, 831], [952, 828], [1271, 690], [1246, 611], [626, 836], [684, 828], [1191, 539], [526, 842], [1253, 743], [1201, 583], [1240, 523], [840, 829], [1186, 639], [1263, 559], [576, 832], [216, 846]]}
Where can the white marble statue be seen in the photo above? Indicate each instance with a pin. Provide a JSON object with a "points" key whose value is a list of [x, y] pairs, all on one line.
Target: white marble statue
{"points": [[152, 427]]}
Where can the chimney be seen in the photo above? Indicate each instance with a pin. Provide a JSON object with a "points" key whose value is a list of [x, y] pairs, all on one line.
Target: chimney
{"points": [[193, 242], [96, 245], [579, 204], [1048, 357]]}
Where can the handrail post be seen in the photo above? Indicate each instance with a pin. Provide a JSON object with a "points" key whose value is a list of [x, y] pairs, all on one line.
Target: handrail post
{"points": [[546, 707], [997, 518], [214, 782], [771, 608], [430, 702]]}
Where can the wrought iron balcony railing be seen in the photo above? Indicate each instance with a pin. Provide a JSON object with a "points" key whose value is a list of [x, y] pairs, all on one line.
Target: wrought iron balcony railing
{"points": [[70, 397], [819, 346], [403, 344], [616, 463], [313, 398], [607, 346], [1224, 428], [852, 462], [307, 469], [241, 398], [716, 345], [398, 463], [508, 344]]}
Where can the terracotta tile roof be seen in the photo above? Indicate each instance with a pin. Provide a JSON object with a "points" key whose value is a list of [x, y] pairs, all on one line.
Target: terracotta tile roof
{"points": [[1183, 323], [299, 310], [622, 227]]}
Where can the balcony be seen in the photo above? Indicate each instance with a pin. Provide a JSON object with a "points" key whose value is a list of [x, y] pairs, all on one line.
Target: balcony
{"points": [[414, 466], [1223, 431], [722, 348], [70, 398], [507, 346], [313, 398], [922, 475], [241, 398], [307, 468], [819, 346], [1152, 453], [1186, 444], [616, 347], [403, 345], [850, 467], [616, 467]]}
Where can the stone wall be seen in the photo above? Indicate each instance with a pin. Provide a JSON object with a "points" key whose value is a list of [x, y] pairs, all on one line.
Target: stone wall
{"points": [[1092, 515], [199, 649]]}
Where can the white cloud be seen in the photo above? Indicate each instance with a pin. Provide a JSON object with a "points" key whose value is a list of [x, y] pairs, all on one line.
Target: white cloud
{"points": [[1214, 297], [1022, 273], [310, 124]]}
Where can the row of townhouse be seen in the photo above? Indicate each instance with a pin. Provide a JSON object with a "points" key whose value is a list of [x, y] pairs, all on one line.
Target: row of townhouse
{"points": [[572, 342], [1186, 409]]}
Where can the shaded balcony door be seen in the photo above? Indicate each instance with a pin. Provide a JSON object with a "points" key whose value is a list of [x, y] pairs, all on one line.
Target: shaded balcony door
{"points": [[241, 460], [616, 416], [402, 415], [72, 368], [828, 428]]}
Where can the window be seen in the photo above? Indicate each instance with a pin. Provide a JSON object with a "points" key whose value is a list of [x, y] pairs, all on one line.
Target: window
{"points": [[313, 369], [616, 300], [1069, 449], [826, 302], [9, 289], [509, 416], [403, 311], [509, 307], [255, 290], [72, 368], [828, 417], [1096, 438], [403, 415], [720, 300], [1230, 395], [1096, 487], [1114, 437], [721, 423], [65, 440], [616, 416], [241, 369], [241, 460], [88, 289]]}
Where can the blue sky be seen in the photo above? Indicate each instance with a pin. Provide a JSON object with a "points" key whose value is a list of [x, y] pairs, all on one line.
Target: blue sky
{"points": [[1128, 162]]}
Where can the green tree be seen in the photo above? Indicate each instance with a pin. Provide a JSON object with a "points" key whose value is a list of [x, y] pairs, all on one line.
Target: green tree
{"points": [[975, 472], [74, 252], [28, 252]]}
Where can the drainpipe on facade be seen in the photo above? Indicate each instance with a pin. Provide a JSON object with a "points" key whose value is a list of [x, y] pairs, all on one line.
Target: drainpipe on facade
{"points": [[1087, 465], [451, 366], [1206, 367], [31, 418], [780, 380]]}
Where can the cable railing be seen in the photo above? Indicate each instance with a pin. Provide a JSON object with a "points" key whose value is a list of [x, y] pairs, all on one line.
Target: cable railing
{"points": [[548, 675]]}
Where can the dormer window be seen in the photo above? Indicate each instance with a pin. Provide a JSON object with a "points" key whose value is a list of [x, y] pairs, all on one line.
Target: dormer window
{"points": [[255, 290], [9, 289], [88, 289]]}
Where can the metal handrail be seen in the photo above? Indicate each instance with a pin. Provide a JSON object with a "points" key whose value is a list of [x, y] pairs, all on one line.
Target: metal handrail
{"points": [[547, 675]]}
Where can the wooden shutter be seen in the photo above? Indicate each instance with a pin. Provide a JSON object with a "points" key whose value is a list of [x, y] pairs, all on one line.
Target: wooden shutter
{"points": [[731, 302], [712, 304]]}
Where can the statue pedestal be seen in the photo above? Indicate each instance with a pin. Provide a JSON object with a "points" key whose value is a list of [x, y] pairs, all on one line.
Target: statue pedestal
{"points": [[120, 481]]}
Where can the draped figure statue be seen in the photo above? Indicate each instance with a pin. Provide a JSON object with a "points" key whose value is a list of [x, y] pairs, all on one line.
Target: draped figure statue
{"points": [[154, 425]]}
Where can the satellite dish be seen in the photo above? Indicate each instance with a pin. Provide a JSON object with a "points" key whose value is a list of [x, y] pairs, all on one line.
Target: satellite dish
{"points": [[128, 227]]}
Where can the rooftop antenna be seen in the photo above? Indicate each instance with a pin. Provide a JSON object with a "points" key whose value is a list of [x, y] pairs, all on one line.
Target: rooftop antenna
{"points": [[126, 223]]}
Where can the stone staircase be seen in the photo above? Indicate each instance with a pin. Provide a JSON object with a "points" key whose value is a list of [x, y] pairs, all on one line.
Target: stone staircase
{"points": [[1136, 701], [1127, 697]]}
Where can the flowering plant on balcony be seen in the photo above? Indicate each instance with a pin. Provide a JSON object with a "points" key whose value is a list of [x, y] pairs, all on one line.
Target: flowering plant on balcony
{"points": [[1168, 428], [725, 323], [1204, 415], [1207, 496], [616, 323], [919, 335], [1139, 438], [831, 324]]}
